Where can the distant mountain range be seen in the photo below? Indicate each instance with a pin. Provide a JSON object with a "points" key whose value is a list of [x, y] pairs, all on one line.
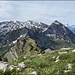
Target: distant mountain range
{"points": [[42, 36], [8, 26], [72, 28]]}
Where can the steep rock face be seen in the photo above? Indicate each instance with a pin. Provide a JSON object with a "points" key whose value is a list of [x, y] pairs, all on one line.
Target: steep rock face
{"points": [[42, 40], [14, 35], [59, 32], [9, 26], [23, 46], [35, 33]]}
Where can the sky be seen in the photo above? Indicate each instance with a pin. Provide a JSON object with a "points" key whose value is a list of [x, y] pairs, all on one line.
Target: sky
{"points": [[44, 11]]}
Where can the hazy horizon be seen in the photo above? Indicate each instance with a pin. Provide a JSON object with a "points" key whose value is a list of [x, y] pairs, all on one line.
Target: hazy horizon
{"points": [[44, 11]]}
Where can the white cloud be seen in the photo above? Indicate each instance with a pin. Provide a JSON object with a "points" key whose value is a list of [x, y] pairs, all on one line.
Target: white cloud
{"points": [[46, 11], [5, 10]]}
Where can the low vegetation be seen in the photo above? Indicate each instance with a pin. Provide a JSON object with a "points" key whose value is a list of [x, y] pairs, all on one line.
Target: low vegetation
{"points": [[45, 64]]}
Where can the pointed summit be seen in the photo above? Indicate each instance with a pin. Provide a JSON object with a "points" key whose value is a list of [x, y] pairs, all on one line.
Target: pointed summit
{"points": [[30, 22], [60, 32], [56, 23]]}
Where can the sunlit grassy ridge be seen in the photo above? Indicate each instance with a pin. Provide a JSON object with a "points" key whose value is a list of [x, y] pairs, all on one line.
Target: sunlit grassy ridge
{"points": [[45, 64]]}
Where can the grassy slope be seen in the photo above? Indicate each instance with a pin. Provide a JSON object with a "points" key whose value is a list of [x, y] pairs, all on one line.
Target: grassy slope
{"points": [[44, 64]]}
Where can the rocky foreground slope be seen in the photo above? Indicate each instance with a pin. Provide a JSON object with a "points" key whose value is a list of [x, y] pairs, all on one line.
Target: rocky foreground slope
{"points": [[59, 62]]}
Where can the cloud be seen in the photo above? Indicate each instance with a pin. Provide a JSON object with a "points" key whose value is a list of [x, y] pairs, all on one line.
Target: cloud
{"points": [[5, 10], [46, 11]]}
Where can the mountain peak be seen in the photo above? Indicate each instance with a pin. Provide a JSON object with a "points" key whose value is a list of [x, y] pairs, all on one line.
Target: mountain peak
{"points": [[30, 22], [56, 22]]}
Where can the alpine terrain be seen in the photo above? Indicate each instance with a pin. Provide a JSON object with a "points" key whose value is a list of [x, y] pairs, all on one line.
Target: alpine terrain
{"points": [[35, 48]]}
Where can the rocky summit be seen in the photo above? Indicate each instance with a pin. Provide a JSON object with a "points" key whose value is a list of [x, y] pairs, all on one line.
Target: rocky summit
{"points": [[58, 31]]}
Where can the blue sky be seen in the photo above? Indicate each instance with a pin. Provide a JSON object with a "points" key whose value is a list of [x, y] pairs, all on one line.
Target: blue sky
{"points": [[44, 11]]}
